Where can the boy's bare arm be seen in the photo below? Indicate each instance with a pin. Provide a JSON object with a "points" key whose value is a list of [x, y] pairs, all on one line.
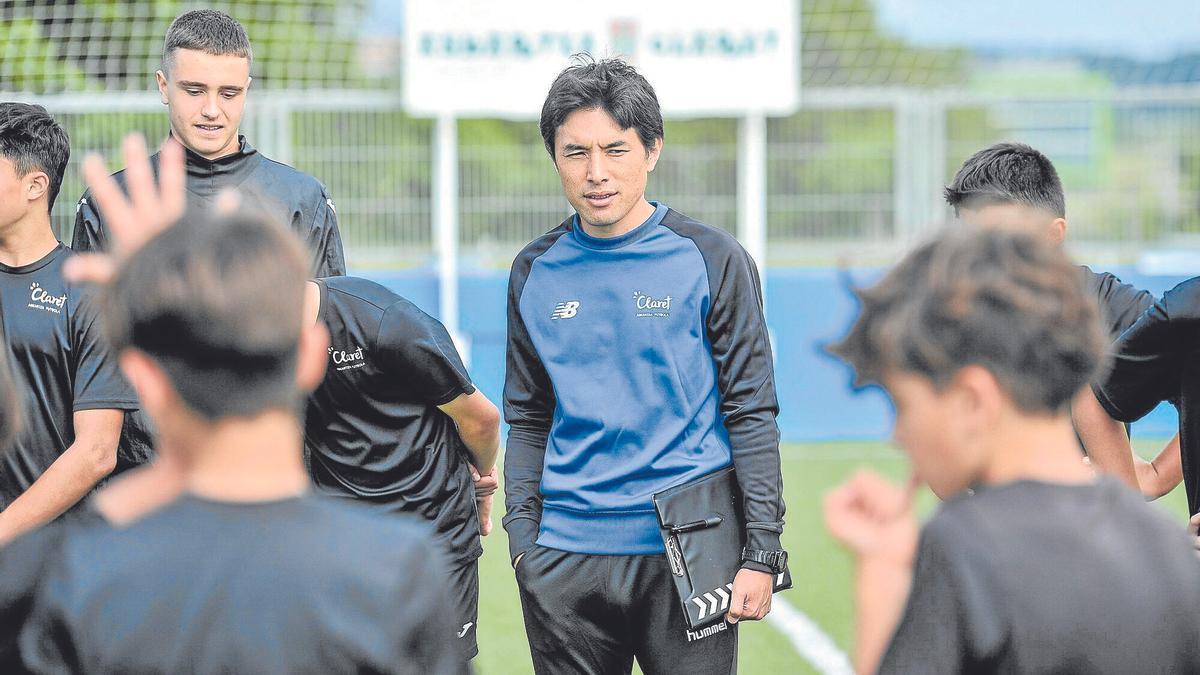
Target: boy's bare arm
{"points": [[1103, 438]]}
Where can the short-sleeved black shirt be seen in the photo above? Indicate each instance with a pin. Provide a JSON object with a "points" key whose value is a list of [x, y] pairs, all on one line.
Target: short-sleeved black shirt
{"points": [[300, 585], [1120, 303], [61, 360], [1034, 577], [373, 430], [1158, 359]]}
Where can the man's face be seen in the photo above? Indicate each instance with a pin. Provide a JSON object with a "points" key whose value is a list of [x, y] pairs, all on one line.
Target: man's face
{"points": [[1016, 217], [931, 427], [205, 95], [603, 168]]}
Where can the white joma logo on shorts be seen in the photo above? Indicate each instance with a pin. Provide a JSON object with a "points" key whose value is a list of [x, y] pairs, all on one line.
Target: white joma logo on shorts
{"points": [[565, 310]]}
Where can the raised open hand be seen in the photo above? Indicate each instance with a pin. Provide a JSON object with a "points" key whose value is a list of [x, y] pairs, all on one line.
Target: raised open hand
{"points": [[134, 215]]}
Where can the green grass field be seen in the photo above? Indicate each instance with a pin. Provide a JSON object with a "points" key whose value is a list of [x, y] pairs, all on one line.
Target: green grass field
{"points": [[821, 571]]}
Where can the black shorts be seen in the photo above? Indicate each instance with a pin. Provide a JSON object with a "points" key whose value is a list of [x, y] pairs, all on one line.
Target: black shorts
{"points": [[464, 592]]}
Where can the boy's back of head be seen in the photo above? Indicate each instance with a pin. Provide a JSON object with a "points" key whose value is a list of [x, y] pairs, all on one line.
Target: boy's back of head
{"points": [[218, 305], [1001, 299], [1009, 185]]}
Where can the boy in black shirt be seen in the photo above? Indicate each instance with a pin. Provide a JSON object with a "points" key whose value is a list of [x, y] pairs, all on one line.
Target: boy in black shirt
{"points": [[74, 397], [982, 338], [396, 423], [1012, 185], [1158, 359], [245, 571]]}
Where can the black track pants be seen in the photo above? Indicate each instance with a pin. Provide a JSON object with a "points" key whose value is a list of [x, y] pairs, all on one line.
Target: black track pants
{"points": [[593, 614]]}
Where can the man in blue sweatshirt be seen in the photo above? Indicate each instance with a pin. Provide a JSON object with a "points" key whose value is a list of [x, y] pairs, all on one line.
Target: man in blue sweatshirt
{"points": [[638, 359]]}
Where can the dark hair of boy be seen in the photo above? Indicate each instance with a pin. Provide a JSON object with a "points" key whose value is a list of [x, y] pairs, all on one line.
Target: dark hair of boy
{"points": [[208, 31], [1002, 301], [1007, 173], [610, 85], [208, 281], [34, 141]]}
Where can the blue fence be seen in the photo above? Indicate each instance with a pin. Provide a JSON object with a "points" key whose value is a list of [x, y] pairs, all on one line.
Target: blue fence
{"points": [[806, 309]]}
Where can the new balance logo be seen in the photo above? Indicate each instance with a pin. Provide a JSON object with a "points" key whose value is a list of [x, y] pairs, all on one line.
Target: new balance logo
{"points": [[466, 627], [705, 632], [565, 310]]}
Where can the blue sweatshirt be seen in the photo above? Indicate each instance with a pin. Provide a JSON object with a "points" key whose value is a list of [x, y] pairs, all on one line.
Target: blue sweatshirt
{"points": [[635, 363]]}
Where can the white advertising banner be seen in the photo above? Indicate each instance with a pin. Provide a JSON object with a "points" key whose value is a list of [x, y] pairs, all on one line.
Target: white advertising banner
{"points": [[481, 58]]}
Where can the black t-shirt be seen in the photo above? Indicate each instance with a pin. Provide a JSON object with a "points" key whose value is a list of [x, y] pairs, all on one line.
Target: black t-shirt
{"points": [[1034, 577], [1120, 303], [300, 585], [373, 430], [1158, 359], [62, 362]]}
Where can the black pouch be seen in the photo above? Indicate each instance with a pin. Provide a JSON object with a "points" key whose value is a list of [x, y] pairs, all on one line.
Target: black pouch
{"points": [[703, 530]]}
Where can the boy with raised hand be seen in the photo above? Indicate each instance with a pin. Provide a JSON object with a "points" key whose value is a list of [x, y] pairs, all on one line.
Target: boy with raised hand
{"points": [[73, 395], [396, 423], [1012, 185], [205, 82], [243, 570], [982, 338]]}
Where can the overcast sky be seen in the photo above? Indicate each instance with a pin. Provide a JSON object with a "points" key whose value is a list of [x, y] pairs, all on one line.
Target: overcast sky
{"points": [[1145, 29]]}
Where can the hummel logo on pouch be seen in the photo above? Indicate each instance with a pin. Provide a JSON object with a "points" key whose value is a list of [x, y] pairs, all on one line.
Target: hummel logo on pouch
{"points": [[46, 302], [466, 627], [650, 306], [565, 310]]}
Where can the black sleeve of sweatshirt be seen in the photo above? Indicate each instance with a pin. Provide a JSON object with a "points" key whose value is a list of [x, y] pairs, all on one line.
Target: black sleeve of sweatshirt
{"points": [[528, 409], [741, 349]]}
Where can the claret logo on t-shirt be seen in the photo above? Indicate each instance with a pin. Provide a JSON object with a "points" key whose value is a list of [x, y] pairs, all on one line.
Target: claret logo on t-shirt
{"points": [[345, 360], [648, 305], [45, 302]]}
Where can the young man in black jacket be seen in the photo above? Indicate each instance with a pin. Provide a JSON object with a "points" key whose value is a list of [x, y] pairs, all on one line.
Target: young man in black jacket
{"points": [[205, 82]]}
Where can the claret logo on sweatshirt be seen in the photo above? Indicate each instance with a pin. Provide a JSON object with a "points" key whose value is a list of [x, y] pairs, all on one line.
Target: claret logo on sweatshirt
{"points": [[44, 301], [648, 305], [346, 360]]}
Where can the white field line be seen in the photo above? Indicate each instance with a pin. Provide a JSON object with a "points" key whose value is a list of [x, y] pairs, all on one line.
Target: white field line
{"points": [[808, 639]]}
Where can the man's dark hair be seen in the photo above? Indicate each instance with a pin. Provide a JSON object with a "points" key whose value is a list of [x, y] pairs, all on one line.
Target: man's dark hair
{"points": [[34, 141], [208, 31], [610, 85], [1007, 301], [1007, 173], [216, 301]]}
